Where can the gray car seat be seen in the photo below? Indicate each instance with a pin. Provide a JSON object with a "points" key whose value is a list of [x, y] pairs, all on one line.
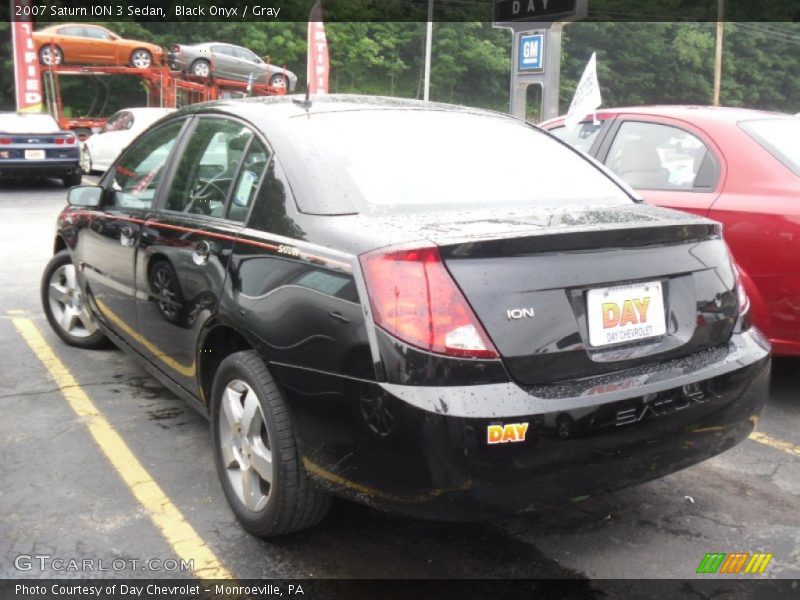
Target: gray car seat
{"points": [[640, 167]]}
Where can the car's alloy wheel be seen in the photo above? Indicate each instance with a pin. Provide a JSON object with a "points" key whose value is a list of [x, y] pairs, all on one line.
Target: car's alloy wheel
{"points": [[50, 56], [256, 453], [141, 59], [244, 444], [279, 80], [201, 68], [65, 305]]}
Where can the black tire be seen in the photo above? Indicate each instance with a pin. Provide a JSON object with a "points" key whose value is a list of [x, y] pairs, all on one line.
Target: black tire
{"points": [[87, 339], [293, 502], [143, 57], [44, 51], [73, 179], [201, 65]]}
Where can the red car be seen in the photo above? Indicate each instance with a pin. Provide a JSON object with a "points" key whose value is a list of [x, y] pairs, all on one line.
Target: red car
{"points": [[737, 166]]}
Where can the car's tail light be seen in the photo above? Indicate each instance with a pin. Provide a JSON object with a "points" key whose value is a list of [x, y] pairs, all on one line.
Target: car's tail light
{"points": [[175, 48], [5, 140], [414, 298], [60, 141]]}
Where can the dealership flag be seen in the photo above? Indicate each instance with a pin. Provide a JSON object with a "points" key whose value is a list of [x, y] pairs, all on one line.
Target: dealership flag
{"points": [[26, 66], [587, 95], [318, 65]]}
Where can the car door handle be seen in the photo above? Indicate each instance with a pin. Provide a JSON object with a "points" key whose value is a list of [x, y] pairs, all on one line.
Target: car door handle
{"points": [[201, 252]]}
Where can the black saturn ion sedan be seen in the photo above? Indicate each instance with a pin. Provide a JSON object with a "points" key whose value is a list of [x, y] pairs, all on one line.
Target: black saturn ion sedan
{"points": [[430, 309]]}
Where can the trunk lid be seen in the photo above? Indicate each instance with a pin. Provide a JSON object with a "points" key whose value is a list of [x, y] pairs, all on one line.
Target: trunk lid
{"points": [[530, 277]]}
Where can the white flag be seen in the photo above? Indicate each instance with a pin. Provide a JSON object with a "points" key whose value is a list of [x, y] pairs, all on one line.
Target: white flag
{"points": [[587, 95]]}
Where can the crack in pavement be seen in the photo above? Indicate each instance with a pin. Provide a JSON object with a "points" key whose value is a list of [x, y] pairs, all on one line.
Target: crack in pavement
{"points": [[129, 381]]}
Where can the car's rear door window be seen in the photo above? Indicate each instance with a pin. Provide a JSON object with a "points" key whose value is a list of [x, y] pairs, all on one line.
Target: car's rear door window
{"points": [[209, 167], [136, 177], [96, 33], [654, 156]]}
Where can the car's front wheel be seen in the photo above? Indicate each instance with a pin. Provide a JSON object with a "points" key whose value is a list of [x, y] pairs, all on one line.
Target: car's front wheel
{"points": [[141, 59], [50, 55], [65, 305], [256, 454]]}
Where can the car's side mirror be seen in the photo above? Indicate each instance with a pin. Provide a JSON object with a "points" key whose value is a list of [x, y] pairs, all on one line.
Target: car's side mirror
{"points": [[89, 196]]}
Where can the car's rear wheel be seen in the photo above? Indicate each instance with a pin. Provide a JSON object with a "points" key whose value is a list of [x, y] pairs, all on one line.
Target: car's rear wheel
{"points": [[72, 179], [201, 68], [141, 59], [51, 56], [65, 306], [256, 454], [279, 80]]}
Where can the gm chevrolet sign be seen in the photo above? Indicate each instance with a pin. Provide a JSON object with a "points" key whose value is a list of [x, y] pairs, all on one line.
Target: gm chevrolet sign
{"points": [[531, 52], [541, 11]]}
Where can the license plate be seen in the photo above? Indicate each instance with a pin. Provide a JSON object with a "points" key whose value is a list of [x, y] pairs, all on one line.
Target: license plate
{"points": [[34, 155], [625, 313]]}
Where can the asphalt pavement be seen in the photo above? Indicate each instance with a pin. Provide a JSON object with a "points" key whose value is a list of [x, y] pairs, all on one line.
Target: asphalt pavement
{"points": [[61, 495]]}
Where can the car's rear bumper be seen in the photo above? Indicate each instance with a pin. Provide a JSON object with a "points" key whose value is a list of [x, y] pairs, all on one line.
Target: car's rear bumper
{"points": [[435, 460], [45, 168]]}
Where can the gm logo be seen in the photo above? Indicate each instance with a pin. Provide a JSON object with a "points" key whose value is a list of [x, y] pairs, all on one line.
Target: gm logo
{"points": [[737, 562], [531, 51]]}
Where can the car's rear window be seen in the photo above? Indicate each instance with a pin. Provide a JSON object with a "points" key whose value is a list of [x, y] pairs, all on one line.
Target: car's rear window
{"points": [[35, 123], [778, 137], [410, 159]]}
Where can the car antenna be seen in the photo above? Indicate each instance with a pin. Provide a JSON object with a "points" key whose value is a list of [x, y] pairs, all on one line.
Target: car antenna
{"points": [[305, 103]]}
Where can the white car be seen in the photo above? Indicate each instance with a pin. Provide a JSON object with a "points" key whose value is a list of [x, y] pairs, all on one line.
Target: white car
{"points": [[101, 149]]}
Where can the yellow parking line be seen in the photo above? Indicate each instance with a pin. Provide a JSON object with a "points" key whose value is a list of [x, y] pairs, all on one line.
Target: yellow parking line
{"points": [[185, 541], [763, 438]]}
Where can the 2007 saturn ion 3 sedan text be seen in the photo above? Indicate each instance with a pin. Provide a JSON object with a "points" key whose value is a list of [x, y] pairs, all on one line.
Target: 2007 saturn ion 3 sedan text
{"points": [[430, 309]]}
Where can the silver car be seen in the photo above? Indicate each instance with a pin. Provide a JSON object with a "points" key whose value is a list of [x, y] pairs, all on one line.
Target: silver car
{"points": [[226, 61]]}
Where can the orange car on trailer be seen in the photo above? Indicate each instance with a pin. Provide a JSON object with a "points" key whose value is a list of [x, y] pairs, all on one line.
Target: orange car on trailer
{"points": [[77, 43]]}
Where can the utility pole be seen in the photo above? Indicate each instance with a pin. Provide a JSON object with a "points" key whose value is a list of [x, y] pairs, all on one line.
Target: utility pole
{"points": [[718, 55], [428, 41]]}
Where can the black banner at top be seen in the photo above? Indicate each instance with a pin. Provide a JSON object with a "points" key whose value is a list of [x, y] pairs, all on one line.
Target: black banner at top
{"points": [[533, 10], [52, 11]]}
